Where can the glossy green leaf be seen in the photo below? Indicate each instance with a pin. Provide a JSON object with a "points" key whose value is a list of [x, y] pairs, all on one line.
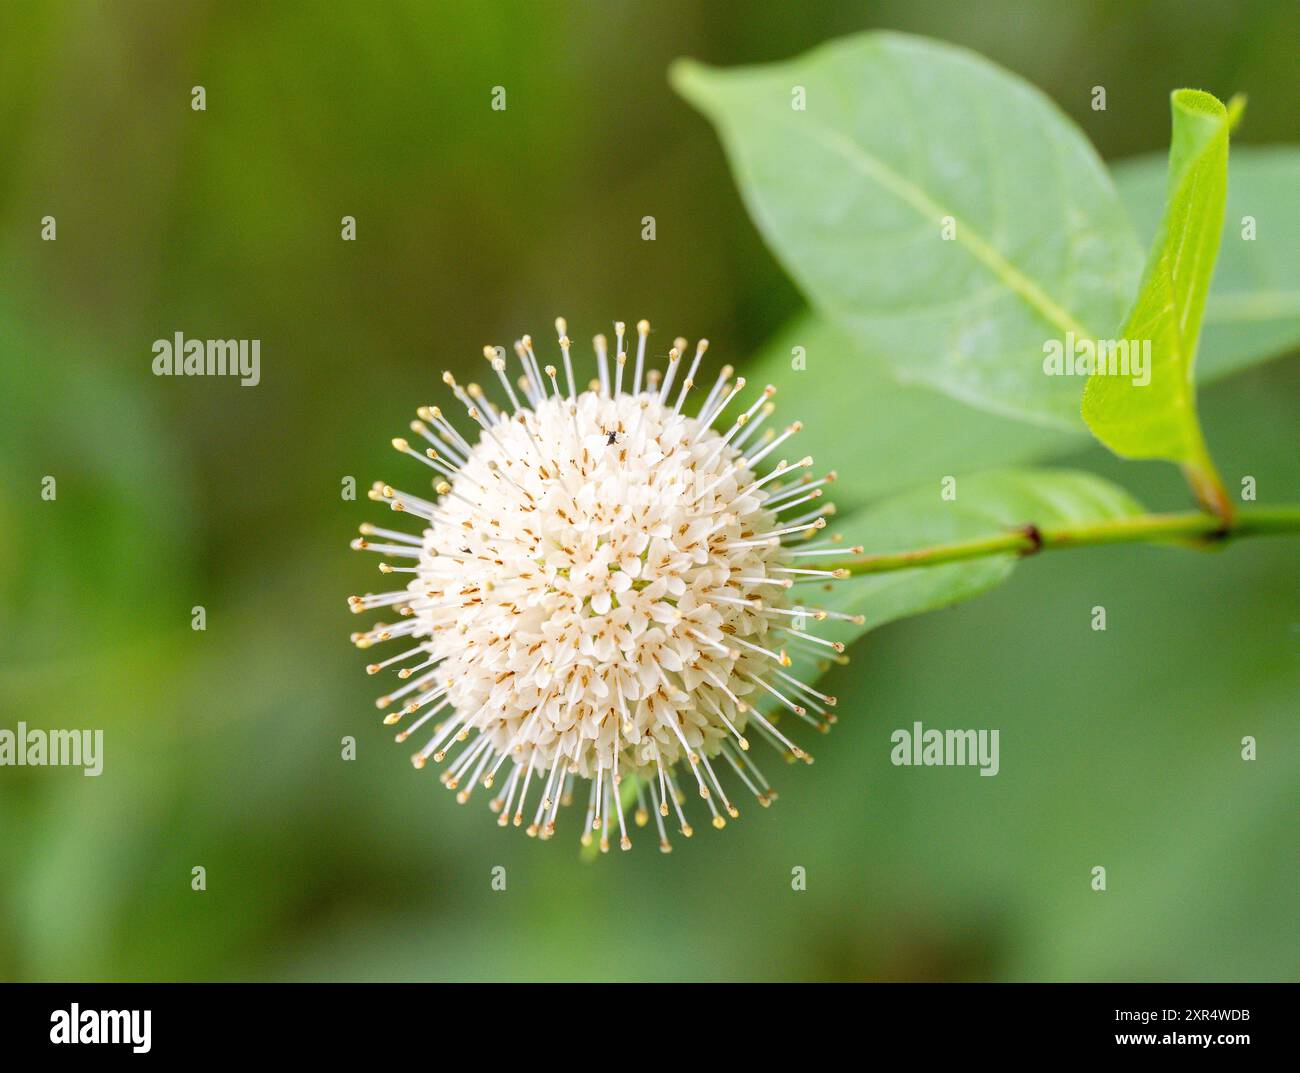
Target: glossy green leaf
{"points": [[937, 208], [1153, 415], [1253, 311]]}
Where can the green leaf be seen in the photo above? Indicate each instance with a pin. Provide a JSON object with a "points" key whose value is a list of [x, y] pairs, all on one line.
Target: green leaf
{"points": [[879, 435], [883, 436], [1253, 312], [1157, 419], [899, 137], [985, 504]]}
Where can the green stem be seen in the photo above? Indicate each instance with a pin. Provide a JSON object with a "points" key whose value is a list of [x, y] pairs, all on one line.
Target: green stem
{"points": [[1027, 539], [1205, 482]]}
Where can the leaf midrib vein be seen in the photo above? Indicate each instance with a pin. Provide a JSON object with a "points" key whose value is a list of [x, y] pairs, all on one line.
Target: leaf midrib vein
{"points": [[967, 236]]}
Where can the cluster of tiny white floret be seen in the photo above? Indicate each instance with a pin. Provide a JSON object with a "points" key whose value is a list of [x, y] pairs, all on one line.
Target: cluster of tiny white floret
{"points": [[602, 591]]}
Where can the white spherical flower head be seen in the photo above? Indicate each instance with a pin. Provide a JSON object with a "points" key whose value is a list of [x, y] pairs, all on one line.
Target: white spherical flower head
{"points": [[603, 591]]}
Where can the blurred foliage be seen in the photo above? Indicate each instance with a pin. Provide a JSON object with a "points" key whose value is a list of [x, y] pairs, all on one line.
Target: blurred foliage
{"points": [[222, 747]]}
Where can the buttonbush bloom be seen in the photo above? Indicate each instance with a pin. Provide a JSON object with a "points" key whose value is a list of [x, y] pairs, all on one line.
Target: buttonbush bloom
{"points": [[602, 591]]}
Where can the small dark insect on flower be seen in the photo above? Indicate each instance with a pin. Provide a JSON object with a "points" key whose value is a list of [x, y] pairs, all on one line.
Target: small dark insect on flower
{"points": [[608, 625]]}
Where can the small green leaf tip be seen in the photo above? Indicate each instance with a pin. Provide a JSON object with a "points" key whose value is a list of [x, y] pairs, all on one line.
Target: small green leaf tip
{"points": [[1154, 415]]}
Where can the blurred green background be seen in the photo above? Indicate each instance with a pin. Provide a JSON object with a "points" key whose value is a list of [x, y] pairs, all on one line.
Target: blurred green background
{"points": [[223, 747]]}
